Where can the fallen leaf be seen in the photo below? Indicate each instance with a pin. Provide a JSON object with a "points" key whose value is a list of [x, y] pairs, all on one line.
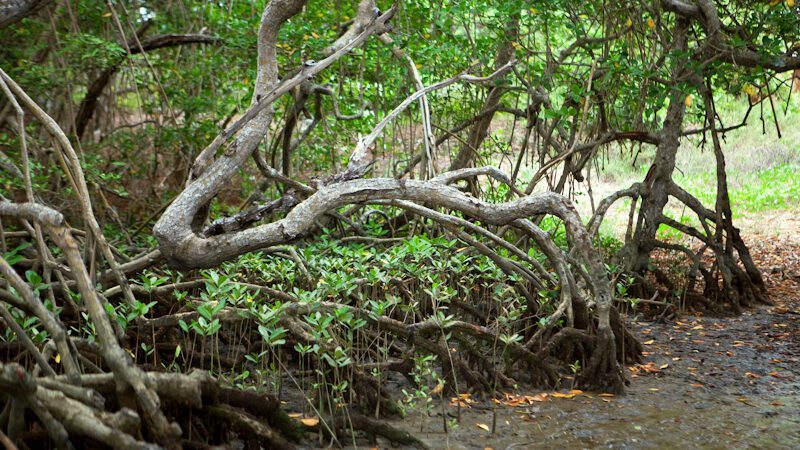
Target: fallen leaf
{"points": [[606, 394], [438, 389], [663, 366], [649, 368], [655, 389], [778, 375], [540, 397], [463, 400], [482, 426], [576, 392], [751, 375], [650, 342], [776, 403], [295, 415], [309, 421], [745, 401], [561, 395]]}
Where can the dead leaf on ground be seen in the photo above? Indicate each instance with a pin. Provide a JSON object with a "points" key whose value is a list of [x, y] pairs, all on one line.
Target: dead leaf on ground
{"points": [[482, 426], [541, 397], [571, 394], [463, 400], [309, 421], [513, 400], [648, 368], [745, 401], [779, 375]]}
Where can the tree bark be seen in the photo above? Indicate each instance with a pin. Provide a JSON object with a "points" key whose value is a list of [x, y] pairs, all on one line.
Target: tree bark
{"points": [[480, 129], [12, 11], [637, 255]]}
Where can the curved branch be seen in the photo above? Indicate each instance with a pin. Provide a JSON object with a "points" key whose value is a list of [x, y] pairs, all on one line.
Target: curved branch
{"points": [[705, 13], [120, 363], [12, 11]]}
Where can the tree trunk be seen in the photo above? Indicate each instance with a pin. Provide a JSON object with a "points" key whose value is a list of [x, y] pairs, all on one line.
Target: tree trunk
{"points": [[637, 252], [479, 131], [726, 282]]}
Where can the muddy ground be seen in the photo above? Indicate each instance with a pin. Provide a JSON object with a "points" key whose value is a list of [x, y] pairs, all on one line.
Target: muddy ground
{"points": [[710, 383], [706, 382]]}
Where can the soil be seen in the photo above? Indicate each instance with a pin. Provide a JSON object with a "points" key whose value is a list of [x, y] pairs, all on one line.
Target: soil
{"points": [[706, 382]]}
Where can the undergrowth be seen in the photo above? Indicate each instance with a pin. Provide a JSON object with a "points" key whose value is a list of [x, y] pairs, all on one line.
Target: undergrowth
{"points": [[333, 288]]}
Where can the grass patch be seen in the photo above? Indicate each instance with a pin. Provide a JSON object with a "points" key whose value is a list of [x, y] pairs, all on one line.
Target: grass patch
{"points": [[763, 190]]}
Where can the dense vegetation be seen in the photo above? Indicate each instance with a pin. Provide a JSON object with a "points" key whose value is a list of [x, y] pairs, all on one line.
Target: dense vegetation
{"points": [[336, 199]]}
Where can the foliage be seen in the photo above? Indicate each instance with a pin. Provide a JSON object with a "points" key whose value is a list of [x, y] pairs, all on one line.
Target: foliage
{"points": [[595, 90]]}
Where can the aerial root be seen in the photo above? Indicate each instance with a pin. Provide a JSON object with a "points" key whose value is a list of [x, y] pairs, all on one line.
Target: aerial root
{"points": [[603, 373], [76, 416]]}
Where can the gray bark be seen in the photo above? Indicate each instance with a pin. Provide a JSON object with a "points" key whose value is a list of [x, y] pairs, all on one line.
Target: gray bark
{"points": [[12, 11]]}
